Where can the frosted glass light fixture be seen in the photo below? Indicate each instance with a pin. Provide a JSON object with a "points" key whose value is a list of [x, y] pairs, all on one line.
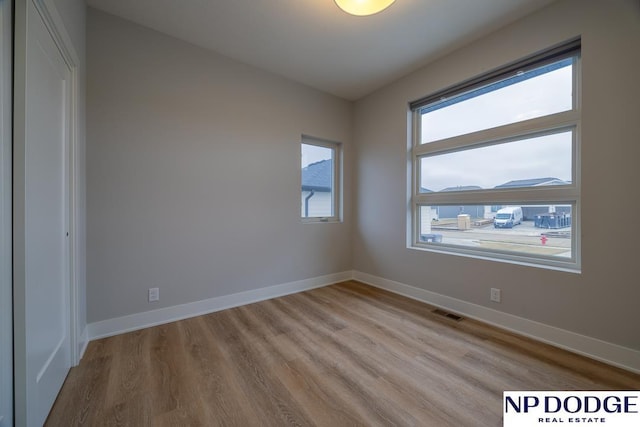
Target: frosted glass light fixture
{"points": [[363, 7]]}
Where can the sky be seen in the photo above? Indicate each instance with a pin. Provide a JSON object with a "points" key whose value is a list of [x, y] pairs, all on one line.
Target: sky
{"points": [[489, 166], [313, 153], [545, 156]]}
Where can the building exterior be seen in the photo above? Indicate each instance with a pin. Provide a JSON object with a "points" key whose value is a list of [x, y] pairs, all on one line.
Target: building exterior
{"points": [[530, 212], [316, 189], [435, 213]]}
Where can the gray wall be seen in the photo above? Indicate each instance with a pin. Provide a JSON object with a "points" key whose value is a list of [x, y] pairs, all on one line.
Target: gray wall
{"points": [[193, 164], [602, 301]]}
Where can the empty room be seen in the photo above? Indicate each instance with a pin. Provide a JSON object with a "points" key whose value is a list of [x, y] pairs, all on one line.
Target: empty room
{"points": [[319, 212]]}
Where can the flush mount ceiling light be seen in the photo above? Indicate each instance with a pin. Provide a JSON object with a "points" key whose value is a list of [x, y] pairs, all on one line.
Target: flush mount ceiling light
{"points": [[363, 7]]}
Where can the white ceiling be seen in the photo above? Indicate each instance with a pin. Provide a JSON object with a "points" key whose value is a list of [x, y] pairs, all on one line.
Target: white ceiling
{"points": [[316, 43]]}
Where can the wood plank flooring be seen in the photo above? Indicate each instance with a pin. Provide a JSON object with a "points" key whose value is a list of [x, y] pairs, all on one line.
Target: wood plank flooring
{"points": [[343, 355]]}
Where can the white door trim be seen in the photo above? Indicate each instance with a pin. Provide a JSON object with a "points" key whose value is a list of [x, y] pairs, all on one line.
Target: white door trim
{"points": [[55, 25]]}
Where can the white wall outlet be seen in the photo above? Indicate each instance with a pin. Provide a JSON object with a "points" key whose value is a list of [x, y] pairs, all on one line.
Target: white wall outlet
{"points": [[495, 294], [154, 294]]}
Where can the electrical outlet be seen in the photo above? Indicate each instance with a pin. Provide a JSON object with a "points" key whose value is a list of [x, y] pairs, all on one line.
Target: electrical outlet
{"points": [[495, 294], [154, 294]]}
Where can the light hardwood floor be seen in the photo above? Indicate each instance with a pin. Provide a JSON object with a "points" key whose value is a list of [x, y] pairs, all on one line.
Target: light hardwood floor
{"points": [[343, 355]]}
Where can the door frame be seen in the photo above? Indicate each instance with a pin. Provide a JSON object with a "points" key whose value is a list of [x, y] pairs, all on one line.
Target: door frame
{"points": [[55, 26]]}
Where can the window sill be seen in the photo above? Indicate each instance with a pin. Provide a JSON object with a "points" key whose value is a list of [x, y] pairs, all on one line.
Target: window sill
{"points": [[567, 267], [320, 220]]}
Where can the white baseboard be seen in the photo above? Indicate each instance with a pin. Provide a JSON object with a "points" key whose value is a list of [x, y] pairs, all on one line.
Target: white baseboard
{"points": [[594, 348], [603, 351], [132, 322]]}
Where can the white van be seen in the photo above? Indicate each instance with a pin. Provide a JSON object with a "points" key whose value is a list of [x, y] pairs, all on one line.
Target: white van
{"points": [[508, 217]]}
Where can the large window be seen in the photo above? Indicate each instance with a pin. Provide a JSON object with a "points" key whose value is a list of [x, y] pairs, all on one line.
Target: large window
{"points": [[495, 164], [320, 179]]}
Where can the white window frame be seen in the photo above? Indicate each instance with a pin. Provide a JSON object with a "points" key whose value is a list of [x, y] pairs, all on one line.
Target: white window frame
{"points": [[556, 194], [336, 181]]}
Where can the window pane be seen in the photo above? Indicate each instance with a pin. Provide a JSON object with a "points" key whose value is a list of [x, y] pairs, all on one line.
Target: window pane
{"points": [[317, 181], [542, 160], [535, 93], [538, 230]]}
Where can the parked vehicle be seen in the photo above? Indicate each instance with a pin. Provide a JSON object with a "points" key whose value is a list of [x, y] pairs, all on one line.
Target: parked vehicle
{"points": [[508, 217]]}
